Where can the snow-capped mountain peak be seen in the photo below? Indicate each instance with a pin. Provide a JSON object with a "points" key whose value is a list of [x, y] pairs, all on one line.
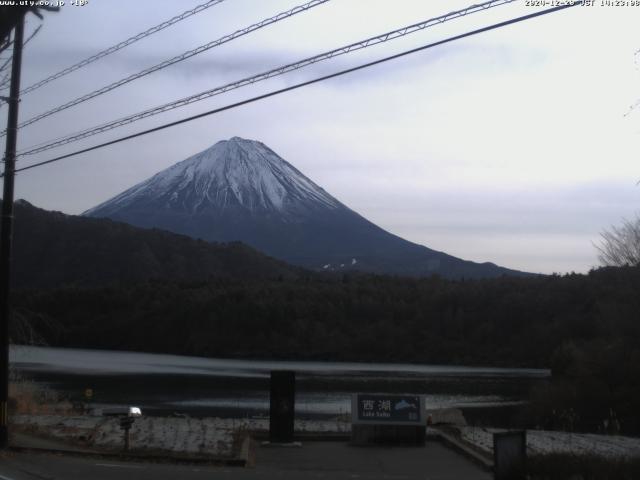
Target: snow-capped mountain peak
{"points": [[232, 173]]}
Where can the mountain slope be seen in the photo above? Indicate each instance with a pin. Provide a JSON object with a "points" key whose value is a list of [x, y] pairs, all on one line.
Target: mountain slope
{"points": [[54, 249], [241, 190]]}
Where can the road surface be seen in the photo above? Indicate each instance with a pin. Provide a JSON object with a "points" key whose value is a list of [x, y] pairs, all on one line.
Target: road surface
{"points": [[314, 460]]}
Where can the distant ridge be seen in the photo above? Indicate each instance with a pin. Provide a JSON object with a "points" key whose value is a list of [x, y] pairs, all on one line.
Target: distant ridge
{"points": [[241, 190], [52, 249]]}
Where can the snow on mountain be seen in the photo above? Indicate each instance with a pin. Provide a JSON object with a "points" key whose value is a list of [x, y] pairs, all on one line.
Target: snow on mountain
{"points": [[237, 172]]}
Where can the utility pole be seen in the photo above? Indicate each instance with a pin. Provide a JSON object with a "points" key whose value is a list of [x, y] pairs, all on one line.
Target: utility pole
{"points": [[6, 228]]}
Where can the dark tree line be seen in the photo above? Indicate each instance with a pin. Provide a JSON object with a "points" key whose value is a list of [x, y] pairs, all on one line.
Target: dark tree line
{"points": [[507, 321]]}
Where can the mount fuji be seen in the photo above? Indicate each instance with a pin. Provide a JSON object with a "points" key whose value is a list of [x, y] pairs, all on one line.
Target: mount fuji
{"points": [[241, 190]]}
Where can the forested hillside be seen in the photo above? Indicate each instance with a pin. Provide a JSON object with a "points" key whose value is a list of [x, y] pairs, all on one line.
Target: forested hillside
{"points": [[508, 321], [53, 249]]}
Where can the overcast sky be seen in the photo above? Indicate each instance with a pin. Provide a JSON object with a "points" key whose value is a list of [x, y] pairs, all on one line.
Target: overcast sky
{"points": [[511, 146]]}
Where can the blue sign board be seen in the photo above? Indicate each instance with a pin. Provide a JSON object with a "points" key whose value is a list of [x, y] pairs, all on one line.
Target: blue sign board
{"points": [[388, 409]]}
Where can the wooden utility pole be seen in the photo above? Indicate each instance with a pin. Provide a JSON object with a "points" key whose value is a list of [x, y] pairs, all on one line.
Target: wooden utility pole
{"points": [[6, 228]]}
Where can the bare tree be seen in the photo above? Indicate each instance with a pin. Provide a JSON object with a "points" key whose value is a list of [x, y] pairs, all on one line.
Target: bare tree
{"points": [[620, 246]]}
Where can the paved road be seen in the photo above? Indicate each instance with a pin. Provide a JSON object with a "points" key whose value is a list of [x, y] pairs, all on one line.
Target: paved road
{"points": [[314, 460]]}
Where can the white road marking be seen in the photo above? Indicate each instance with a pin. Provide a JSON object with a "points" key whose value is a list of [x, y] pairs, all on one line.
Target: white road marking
{"points": [[2, 477]]}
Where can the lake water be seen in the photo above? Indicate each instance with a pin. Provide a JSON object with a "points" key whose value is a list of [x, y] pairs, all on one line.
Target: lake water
{"points": [[171, 384]]}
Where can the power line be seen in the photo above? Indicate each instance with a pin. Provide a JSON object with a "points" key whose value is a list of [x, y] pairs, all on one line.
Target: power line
{"points": [[10, 59], [33, 34], [176, 59], [303, 84], [6, 63], [6, 45], [24, 44], [121, 45], [263, 76], [5, 80]]}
